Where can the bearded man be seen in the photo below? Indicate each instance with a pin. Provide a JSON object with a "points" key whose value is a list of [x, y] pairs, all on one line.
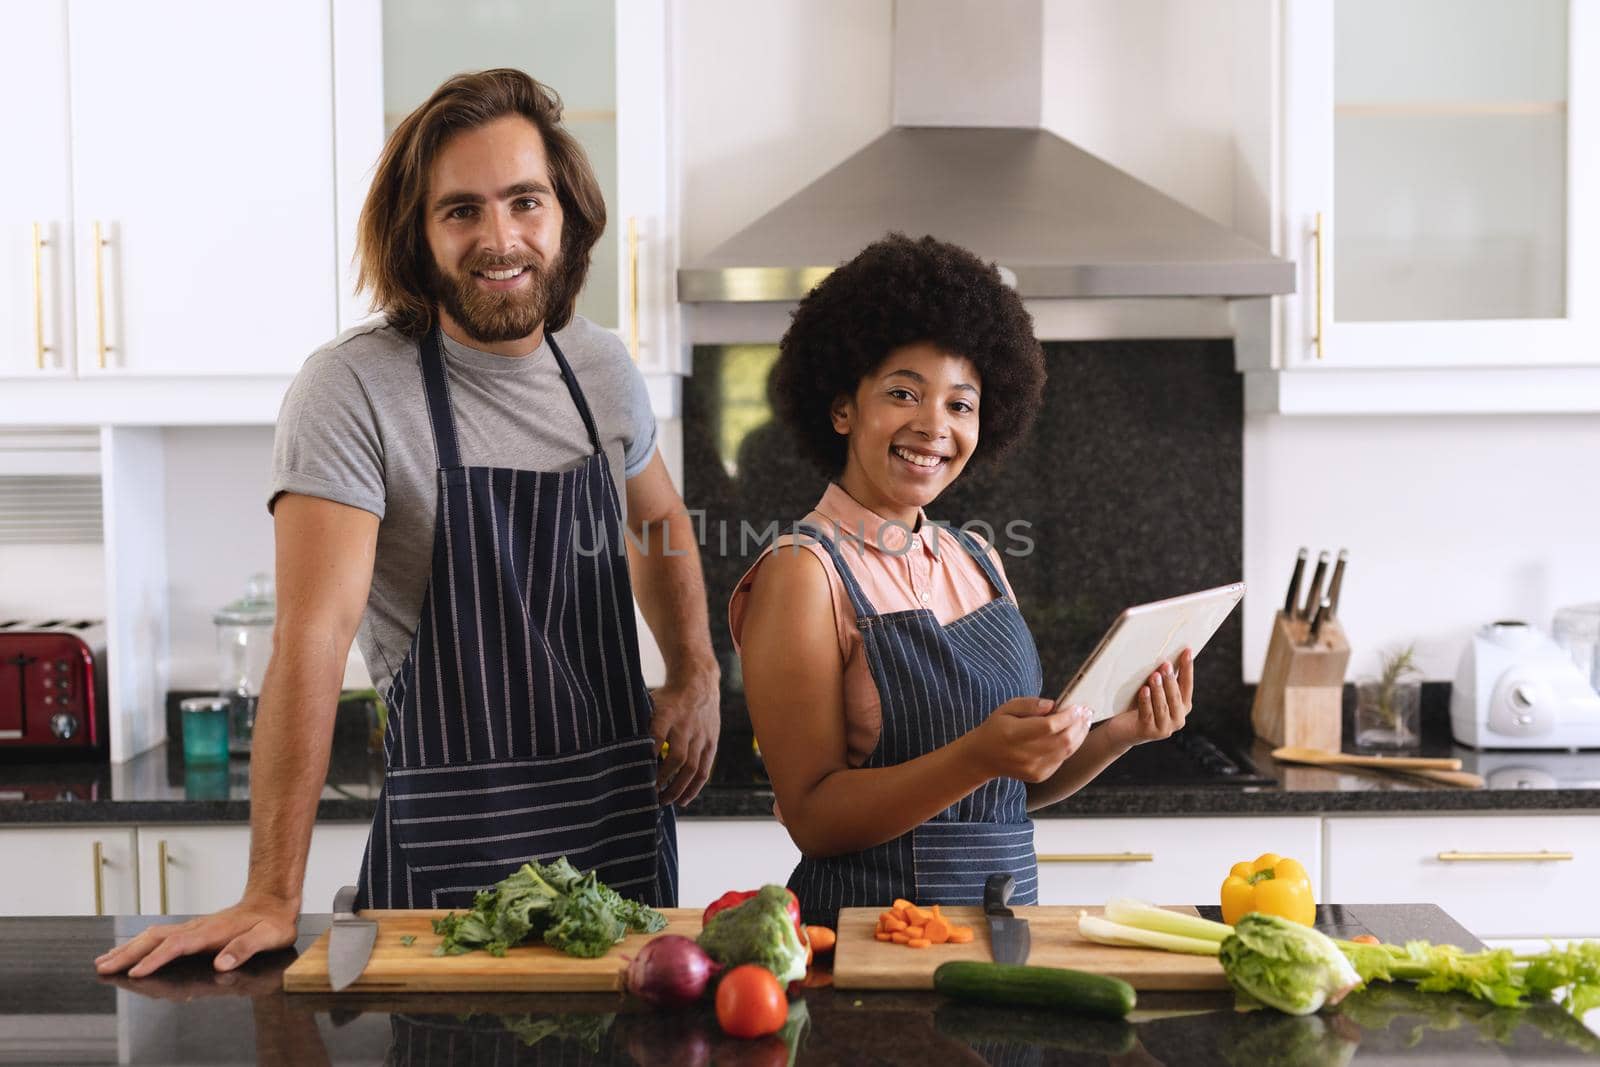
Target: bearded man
{"points": [[450, 486]]}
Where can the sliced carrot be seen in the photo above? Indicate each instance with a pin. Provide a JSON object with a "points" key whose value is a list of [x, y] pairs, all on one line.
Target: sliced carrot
{"points": [[892, 924], [937, 930], [901, 904], [916, 916], [914, 931], [883, 937], [960, 935], [822, 938], [919, 942], [883, 916], [899, 937], [938, 914]]}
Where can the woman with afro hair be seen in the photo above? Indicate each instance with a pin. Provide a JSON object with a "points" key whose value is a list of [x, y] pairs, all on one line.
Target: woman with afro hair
{"points": [[892, 683]]}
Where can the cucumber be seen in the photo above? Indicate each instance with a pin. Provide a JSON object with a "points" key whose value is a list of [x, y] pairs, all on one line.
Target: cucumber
{"points": [[1041, 987]]}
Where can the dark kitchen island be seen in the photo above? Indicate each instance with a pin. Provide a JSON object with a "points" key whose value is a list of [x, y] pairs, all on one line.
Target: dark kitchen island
{"points": [[54, 1008]]}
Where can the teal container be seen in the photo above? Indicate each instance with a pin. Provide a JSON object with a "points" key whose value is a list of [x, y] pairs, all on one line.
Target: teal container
{"points": [[205, 731]]}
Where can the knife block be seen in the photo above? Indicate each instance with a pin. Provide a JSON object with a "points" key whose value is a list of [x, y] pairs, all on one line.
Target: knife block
{"points": [[1301, 695]]}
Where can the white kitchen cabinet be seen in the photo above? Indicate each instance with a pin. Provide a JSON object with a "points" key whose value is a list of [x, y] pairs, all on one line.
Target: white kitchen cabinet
{"points": [[1450, 149], [716, 855], [202, 158], [192, 869], [1162, 860], [1500, 876], [183, 168], [56, 870], [609, 63], [36, 323]]}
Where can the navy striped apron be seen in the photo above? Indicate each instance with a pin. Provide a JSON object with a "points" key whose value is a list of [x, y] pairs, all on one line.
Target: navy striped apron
{"points": [[519, 721], [936, 682]]}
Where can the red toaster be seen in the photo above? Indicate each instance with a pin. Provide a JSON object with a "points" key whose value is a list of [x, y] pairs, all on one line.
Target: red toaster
{"points": [[53, 686]]}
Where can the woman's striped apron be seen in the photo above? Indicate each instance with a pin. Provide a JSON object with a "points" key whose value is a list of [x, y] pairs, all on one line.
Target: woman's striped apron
{"points": [[519, 721], [936, 682]]}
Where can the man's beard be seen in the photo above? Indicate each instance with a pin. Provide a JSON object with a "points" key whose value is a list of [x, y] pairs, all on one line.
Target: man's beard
{"points": [[489, 317]]}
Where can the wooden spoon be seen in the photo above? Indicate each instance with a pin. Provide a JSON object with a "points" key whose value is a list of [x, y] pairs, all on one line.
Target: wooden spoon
{"points": [[1321, 757]]}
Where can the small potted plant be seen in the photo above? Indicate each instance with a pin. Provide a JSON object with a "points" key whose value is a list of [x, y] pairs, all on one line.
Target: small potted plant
{"points": [[1388, 707]]}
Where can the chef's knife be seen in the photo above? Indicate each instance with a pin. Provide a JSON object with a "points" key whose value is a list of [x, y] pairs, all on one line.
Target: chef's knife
{"points": [[350, 940], [1336, 582], [1009, 940], [1293, 598], [1314, 594]]}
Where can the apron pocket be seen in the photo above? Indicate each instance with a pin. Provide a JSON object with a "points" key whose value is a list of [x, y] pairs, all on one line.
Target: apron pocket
{"points": [[954, 859], [462, 828]]}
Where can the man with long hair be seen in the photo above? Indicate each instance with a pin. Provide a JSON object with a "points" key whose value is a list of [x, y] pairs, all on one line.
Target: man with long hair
{"points": [[450, 486]]}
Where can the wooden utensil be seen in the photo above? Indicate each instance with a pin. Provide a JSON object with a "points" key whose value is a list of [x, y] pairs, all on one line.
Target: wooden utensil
{"points": [[1302, 754], [1434, 769], [861, 962], [397, 967]]}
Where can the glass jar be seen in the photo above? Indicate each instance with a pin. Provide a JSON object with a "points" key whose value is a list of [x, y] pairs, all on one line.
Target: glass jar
{"points": [[1388, 716], [1577, 629], [205, 731], [244, 644]]}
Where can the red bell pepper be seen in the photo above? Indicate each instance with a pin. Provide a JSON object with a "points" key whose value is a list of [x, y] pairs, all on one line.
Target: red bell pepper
{"points": [[734, 897]]}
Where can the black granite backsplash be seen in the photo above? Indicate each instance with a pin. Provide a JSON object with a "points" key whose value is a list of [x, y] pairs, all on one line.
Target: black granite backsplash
{"points": [[1132, 481]]}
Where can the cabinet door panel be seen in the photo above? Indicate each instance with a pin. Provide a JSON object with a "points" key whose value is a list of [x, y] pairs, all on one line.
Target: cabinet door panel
{"points": [[189, 870], [716, 855], [51, 871], [206, 866], [334, 862], [203, 147], [1480, 869], [35, 191], [1163, 861]]}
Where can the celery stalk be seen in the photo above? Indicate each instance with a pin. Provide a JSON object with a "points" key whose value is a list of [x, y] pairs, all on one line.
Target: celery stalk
{"points": [[1105, 932], [1128, 912]]}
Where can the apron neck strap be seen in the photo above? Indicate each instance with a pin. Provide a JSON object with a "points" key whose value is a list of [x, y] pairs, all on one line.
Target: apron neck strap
{"points": [[436, 387], [577, 394], [982, 559], [858, 596]]}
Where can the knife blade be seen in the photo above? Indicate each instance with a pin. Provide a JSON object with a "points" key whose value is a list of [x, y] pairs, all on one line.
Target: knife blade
{"points": [[1336, 583], [1009, 940], [350, 940], [1314, 593], [1293, 598]]}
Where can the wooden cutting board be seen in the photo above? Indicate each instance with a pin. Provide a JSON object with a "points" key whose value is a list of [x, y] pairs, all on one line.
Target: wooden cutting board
{"points": [[399, 968], [860, 962]]}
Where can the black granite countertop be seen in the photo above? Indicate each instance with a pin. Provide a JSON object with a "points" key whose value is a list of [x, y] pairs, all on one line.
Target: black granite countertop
{"points": [[1212, 768], [54, 1008]]}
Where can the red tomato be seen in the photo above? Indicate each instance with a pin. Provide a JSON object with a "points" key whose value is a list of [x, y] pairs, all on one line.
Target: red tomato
{"points": [[750, 1002]]}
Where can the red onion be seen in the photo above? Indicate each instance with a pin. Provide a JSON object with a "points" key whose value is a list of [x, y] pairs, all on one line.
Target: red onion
{"points": [[670, 971]]}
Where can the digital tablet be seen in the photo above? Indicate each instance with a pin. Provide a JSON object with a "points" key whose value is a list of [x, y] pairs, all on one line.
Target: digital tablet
{"points": [[1140, 640]]}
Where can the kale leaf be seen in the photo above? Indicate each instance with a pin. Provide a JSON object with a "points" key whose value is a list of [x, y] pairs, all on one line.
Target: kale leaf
{"points": [[569, 909]]}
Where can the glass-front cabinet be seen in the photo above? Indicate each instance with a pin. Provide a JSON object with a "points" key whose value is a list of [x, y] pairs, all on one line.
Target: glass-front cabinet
{"points": [[1440, 162], [607, 62]]}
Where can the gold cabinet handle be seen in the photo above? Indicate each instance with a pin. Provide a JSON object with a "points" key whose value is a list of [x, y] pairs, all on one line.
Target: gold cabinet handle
{"points": [[1543, 855], [633, 288], [39, 347], [1097, 857], [100, 299], [1317, 339], [99, 880], [161, 872]]}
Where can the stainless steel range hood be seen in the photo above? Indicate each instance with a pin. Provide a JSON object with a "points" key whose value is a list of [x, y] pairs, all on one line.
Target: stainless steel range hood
{"points": [[1061, 221]]}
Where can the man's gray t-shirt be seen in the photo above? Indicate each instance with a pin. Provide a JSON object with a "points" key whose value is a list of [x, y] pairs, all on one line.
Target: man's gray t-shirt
{"points": [[354, 429]]}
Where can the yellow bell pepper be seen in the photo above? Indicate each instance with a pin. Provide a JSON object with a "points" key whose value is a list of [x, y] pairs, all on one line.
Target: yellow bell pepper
{"points": [[1271, 884]]}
